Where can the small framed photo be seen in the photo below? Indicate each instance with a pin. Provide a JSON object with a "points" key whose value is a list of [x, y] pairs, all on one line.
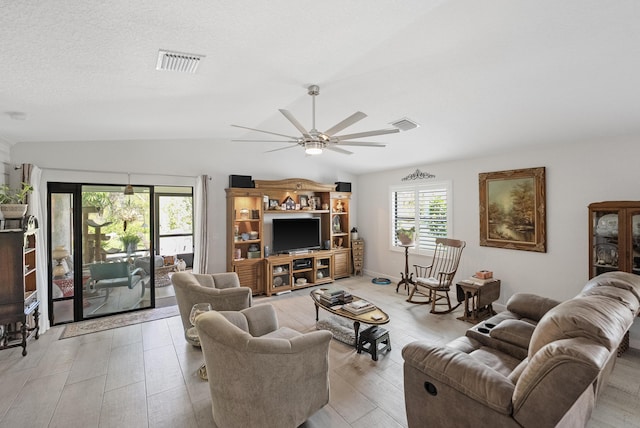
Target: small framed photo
{"points": [[304, 201], [317, 202], [273, 203]]}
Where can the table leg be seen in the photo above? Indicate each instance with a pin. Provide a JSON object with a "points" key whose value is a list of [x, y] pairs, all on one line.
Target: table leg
{"points": [[405, 278], [316, 312], [356, 329]]}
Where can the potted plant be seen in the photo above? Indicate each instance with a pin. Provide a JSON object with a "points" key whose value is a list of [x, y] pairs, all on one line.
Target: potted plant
{"points": [[130, 240], [405, 236], [13, 202]]}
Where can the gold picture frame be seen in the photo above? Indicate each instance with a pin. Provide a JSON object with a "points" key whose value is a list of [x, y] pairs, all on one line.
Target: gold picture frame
{"points": [[513, 209]]}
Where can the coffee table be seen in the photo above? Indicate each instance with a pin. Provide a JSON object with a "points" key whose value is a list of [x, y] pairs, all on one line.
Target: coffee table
{"points": [[366, 317]]}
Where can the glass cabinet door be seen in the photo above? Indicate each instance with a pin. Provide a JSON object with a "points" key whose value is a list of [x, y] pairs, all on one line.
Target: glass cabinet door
{"points": [[614, 239], [633, 241], [605, 247]]}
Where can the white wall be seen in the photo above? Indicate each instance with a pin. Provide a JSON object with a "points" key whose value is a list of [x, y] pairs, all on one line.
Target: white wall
{"points": [[161, 163], [576, 175]]}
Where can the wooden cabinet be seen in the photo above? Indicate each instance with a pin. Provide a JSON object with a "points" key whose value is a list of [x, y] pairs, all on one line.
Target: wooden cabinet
{"points": [[244, 237], [19, 302], [286, 273], [341, 263], [250, 274], [357, 251], [250, 212], [614, 237]]}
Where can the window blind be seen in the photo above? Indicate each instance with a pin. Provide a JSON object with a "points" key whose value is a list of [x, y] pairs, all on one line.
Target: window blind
{"points": [[424, 208]]}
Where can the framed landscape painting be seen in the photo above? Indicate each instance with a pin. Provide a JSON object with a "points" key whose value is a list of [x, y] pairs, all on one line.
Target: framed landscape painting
{"points": [[513, 209]]}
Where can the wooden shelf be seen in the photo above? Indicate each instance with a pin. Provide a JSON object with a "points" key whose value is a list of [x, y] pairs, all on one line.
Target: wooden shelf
{"points": [[18, 295], [330, 206]]}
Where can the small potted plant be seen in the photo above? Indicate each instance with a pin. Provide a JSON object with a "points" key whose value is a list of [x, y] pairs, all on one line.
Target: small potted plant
{"points": [[354, 233], [13, 202], [405, 236], [130, 240]]}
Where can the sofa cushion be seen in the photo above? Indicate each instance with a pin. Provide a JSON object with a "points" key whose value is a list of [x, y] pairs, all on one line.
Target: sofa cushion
{"points": [[498, 361], [597, 318], [516, 332], [624, 296], [530, 305], [282, 333], [624, 280]]}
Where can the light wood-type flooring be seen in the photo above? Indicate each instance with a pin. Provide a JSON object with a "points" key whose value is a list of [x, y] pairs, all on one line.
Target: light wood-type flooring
{"points": [[145, 375]]}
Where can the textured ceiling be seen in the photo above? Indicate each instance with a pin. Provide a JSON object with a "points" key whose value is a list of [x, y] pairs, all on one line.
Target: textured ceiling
{"points": [[478, 76]]}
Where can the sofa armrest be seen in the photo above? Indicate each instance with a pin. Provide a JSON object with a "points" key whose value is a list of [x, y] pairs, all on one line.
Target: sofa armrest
{"points": [[225, 280], [261, 319], [463, 373], [530, 305], [233, 299]]}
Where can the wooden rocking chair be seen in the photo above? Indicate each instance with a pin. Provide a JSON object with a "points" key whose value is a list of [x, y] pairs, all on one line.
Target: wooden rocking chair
{"points": [[438, 276]]}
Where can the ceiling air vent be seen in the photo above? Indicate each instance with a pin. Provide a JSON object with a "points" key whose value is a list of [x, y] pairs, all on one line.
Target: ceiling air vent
{"points": [[178, 61], [404, 124]]}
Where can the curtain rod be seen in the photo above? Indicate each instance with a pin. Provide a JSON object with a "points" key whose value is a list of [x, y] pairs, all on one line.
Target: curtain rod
{"points": [[112, 172]]}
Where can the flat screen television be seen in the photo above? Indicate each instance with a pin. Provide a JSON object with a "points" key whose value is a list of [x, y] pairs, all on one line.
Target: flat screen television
{"points": [[292, 234]]}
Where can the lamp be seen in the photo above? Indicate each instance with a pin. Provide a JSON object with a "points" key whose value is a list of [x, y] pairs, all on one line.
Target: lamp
{"points": [[129, 189], [313, 147], [59, 253]]}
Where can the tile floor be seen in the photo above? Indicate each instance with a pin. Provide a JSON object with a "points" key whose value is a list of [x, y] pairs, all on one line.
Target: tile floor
{"points": [[145, 375]]}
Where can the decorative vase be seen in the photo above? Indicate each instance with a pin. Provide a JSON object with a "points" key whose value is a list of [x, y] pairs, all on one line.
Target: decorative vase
{"points": [[11, 211]]}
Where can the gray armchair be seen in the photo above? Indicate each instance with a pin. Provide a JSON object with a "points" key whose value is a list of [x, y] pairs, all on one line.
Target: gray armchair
{"points": [[262, 375], [221, 290]]}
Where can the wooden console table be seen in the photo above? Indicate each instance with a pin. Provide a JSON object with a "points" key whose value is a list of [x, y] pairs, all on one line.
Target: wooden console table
{"points": [[478, 299]]}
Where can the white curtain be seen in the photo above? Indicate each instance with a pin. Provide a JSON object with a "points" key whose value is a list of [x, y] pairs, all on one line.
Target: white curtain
{"points": [[33, 175], [201, 227]]}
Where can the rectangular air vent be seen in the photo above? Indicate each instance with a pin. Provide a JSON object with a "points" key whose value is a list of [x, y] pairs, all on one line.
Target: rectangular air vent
{"points": [[405, 124], [178, 61]]}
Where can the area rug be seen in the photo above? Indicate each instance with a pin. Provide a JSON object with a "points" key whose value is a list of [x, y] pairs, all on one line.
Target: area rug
{"points": [[115, 321]]}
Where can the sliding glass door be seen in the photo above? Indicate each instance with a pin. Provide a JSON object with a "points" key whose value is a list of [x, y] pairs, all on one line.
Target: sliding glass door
{"points": [[116, 248], [102, 251]]}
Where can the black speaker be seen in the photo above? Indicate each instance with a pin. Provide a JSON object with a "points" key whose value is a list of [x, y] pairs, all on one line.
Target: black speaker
{"points": [[243, 181], [342, 186]]}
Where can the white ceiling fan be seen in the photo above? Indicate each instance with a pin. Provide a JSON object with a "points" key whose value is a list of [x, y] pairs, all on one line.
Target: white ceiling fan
{"points": [[314, 141]]}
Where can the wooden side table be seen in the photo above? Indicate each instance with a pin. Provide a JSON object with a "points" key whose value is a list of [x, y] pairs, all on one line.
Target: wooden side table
{"points": [[478, 299]]}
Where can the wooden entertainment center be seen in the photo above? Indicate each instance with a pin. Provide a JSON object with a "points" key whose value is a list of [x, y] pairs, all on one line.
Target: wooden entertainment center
{"points": [[250, 209]]}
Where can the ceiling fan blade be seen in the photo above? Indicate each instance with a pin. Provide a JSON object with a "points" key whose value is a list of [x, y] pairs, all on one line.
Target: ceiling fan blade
{"points": [[361, 144], [367, 134], [281, 148], [355, 117], [266, 132], [295, 123], [339, 150], [266, 141]]}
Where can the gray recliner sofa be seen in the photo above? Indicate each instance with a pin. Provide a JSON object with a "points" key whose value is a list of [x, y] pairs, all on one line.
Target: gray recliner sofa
{"points": [[544, 367]]}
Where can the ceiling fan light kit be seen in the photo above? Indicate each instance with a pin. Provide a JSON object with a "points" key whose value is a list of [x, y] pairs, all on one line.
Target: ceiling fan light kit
{"points": [[315, 142], [313, 148]]}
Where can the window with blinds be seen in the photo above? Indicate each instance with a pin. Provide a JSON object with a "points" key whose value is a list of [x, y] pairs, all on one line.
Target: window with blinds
{"points": [[423, 208]]}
